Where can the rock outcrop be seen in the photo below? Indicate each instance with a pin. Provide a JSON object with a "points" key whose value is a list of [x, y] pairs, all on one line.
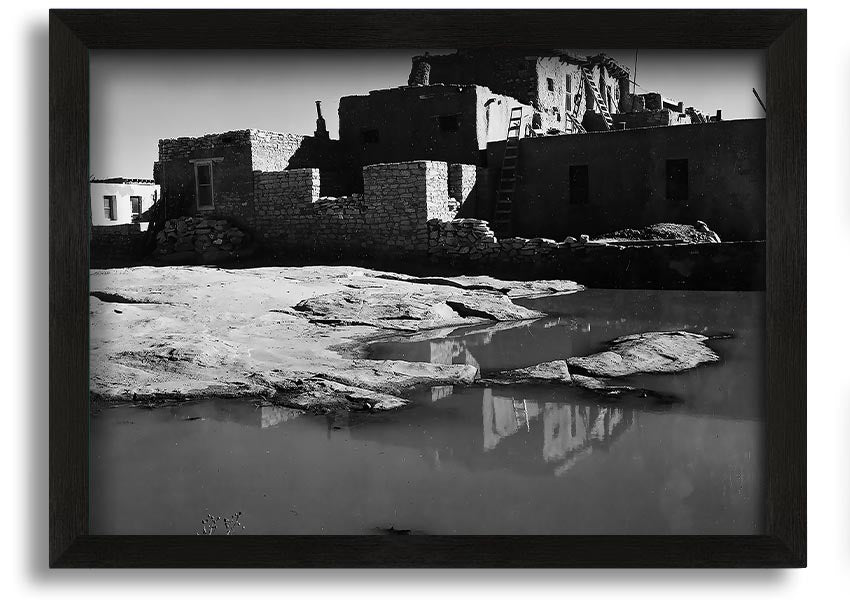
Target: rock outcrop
{"points": [[652, 352], [171, 334]]}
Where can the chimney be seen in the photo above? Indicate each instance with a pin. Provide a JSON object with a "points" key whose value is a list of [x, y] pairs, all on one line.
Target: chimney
{"points": [[719, 116], [420, 73], [321, 127]]}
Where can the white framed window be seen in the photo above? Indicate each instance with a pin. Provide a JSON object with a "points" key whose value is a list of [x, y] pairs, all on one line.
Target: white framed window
{"points": [[109, 209], [204, 184]]}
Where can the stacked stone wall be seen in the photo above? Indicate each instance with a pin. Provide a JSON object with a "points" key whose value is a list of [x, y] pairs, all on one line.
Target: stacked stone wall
{"points": [[462, 179], [400, 199], [464, 241], [116, 242]]}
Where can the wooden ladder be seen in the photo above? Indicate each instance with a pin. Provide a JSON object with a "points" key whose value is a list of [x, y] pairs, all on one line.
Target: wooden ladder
{"points": [[503, 221], [603, 106]]}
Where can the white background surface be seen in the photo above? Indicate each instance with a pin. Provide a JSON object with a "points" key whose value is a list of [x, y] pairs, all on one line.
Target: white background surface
{"points": [[23, 233]]}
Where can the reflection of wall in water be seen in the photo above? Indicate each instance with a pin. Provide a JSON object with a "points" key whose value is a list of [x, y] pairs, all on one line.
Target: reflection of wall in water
{"points": [[239, 412], [271, 416], [445, 352], [567, 429]]}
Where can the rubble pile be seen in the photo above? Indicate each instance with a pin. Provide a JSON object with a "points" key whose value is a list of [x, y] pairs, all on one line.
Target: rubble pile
{"points": [[209, 239], [699, 234]]}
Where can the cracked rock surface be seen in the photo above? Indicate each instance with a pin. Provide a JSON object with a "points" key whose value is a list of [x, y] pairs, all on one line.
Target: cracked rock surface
{"points": [[280, 333]]}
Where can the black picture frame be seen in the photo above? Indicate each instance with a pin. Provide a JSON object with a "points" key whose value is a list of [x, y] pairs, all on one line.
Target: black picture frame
{"points": [[781, 32]]}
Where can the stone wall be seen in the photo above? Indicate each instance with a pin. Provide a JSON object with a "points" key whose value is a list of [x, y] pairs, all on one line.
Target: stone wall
{"points": [[116, 243], [231, 175], [462, 179], [389, 220], [469, 245], [465, 242], [400, 199], [236, 155], [650, 118]]}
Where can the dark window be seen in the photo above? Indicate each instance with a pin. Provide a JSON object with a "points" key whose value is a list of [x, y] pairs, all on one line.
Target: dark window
{"points": [[579, 185], [109, 208], [449, 122], [569, 82], [677, 180], [203, 178], [550, 84], [369, 136], [135, 207]]}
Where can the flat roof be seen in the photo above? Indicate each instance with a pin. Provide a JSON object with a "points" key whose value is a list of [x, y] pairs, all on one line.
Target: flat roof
{"points": [[124, 180]]}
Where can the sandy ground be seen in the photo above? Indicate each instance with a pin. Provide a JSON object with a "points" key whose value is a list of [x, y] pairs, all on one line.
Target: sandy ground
{"points": [[280, 333]]}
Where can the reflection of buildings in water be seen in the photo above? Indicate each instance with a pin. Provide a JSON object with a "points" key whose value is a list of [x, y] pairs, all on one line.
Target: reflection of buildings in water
{"points": [[445, 352], [241, 412], [271, 416], [570, 431], [504, 417], [438, 392]]}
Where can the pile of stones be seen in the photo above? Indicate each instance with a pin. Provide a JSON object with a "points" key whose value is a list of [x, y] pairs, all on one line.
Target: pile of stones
{"points": [[212, 239], [468, 238]]}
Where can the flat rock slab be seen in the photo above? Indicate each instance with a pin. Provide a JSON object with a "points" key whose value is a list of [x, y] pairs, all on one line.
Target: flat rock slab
{"points": [[171, 334], [652, 352], [555, 371], [412, 310], [512, 289]]}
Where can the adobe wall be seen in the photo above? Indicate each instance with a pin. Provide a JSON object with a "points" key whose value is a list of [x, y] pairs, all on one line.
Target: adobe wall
{"points": [[627, 180], [123, 205], [409, 124], [506, 73]]}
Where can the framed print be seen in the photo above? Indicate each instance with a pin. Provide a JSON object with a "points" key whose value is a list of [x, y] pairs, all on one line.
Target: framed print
{"points": [[427, 288]]}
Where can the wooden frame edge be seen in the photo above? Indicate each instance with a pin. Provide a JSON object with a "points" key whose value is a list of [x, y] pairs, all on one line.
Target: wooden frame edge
{"points": [[73, 33]]}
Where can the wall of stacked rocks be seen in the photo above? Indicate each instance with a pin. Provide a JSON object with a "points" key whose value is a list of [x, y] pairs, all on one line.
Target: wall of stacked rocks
{"points": [[120, 243], [467, 242], [201, 239], [407, 212], [292, 218], [400, 199]]}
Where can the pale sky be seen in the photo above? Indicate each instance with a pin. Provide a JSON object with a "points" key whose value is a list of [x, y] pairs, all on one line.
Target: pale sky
{"points": [[140, 96]]}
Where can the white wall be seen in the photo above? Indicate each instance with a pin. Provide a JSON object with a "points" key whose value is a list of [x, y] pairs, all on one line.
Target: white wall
{"points": [[122, 193]]}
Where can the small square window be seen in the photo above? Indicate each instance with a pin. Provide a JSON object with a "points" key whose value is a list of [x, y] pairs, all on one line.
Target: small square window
{"points": [[449, 122], [550, 84], [579, 185], [370, 136]]}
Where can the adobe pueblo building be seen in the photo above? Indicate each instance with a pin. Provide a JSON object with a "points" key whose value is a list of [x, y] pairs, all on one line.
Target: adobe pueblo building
{"points": [[489, 159]]}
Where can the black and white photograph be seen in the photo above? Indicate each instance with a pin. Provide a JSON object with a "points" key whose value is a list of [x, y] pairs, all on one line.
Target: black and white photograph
{"points": [[427, 291]]}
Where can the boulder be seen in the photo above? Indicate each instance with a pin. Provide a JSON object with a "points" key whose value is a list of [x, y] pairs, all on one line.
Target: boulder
{"points": [[651, 352]]}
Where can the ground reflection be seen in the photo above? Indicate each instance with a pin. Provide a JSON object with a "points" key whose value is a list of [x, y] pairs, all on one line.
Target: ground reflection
{"points": [[539, 459]]}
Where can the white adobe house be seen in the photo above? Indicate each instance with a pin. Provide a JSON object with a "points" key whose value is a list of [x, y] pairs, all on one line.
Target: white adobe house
{"points": [[119, 200]]}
